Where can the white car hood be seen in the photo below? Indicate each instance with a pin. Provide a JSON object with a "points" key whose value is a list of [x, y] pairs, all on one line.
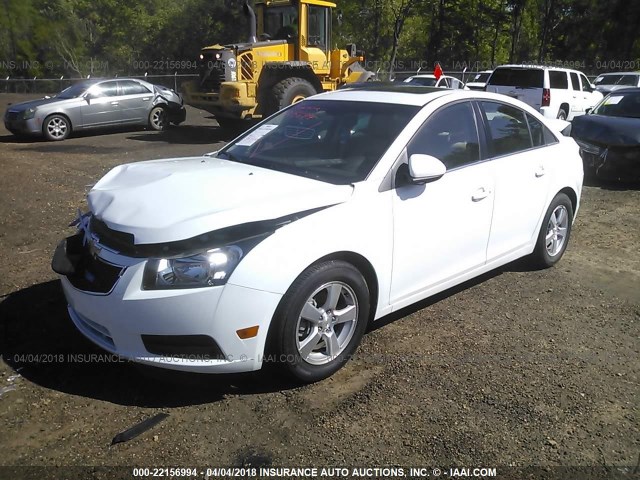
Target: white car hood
{"points": [[170, 200]]}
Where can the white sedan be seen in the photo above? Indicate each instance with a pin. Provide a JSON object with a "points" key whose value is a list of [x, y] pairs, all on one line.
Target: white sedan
{"points": [[284, 245]]}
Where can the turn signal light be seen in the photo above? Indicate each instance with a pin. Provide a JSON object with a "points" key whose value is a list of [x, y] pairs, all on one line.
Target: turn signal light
{"points": [[250, 332]]}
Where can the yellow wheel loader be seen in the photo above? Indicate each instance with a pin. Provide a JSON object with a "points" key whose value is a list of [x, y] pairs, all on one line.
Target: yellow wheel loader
{"points": [[287, 58]]}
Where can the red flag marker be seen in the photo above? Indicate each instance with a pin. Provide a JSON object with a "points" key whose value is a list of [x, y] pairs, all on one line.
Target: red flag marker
{"points": [[437, 72]]}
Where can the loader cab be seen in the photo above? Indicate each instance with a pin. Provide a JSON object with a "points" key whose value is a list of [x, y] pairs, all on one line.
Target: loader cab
{"points": [[305, 23]]}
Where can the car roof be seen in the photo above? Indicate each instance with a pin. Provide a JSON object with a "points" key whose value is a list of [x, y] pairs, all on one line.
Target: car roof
{"points": [[537, 67], [618, 73], [397, 93], [626, 90]]}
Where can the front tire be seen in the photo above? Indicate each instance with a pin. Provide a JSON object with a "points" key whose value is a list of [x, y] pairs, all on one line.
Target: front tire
{"points": [[320, 321], [554, 233], [158, 119], [56, 128], [292, 90]]}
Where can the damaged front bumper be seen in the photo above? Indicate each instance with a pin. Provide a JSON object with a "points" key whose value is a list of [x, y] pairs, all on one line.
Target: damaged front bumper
{"points": [[611, 163], [187, 329]]}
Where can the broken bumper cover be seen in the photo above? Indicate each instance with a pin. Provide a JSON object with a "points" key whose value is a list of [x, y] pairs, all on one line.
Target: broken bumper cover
{"points": [[177, 113], [188, 329], [611, 163]]}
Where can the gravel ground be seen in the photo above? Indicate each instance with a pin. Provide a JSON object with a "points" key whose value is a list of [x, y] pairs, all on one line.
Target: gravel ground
{"points": [[516, 369]]}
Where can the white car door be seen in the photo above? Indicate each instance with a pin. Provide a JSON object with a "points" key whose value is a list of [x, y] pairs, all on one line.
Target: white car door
{"points": [[521, 169], [441, 228]]}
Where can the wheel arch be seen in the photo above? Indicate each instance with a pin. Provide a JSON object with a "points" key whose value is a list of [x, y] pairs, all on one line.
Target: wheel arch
{"points": [[362, 264], [359, 262], [365, 268], [566, 107], [62, 114], [275, 72], [573, 196]]}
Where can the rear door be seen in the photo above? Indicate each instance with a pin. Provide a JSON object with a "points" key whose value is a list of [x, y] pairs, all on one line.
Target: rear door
{"points": [[521, 170], [524, 84], [136, 101]]}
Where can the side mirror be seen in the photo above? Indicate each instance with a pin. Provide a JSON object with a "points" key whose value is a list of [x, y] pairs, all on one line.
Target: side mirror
{"points": [[588, 110], [425, 168]]}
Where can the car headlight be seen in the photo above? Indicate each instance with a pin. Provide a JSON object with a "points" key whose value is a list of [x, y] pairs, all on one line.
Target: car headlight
{"points": [[207, 269], [28, 113]]}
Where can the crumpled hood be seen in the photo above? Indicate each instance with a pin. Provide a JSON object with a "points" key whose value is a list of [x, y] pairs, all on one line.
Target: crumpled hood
{"points": [[176, 199], [607, 130]]}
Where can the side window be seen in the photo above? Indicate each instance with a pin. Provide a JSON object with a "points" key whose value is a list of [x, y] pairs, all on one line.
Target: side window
{"points": [[455, 83], [450, 135], [129, 87], [575, 83], [317, 26], [508, 127], [540, 135], [105, 89], [558, 79], [586, 85]]}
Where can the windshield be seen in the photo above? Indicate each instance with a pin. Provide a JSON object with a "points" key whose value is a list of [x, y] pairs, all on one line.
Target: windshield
{"points": [[332, 141], [620, 105], [281, 23], [607, 79], [423, 81], [74, 91]]}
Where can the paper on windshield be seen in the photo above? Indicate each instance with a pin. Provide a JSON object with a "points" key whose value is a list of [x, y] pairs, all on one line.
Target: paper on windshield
{"points": [[256, 135], [614, 100]]}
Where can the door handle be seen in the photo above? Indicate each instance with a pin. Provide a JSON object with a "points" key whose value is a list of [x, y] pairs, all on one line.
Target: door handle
{"points": [[115, 103], [540, 172], [145, 99], [480, 194]]}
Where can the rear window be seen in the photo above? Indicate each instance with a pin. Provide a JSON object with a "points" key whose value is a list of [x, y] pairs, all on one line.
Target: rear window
{"points": [[558, 79], [518, 77]]}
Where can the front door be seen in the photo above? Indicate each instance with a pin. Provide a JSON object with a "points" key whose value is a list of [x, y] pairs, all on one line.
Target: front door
{"points": [[441, 228], [102, 105]]}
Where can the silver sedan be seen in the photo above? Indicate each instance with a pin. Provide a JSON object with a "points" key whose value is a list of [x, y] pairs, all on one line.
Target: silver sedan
{"points": [[95, 104]]}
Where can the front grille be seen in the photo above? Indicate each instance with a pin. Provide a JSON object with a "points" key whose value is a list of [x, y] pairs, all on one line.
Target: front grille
{"points": [[84, 270], [11, 116], [94, 275], [212, 74], [96, 332]]}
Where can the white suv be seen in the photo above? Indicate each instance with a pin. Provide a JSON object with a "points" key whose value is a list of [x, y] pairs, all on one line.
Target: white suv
{"points": [[555, 92]]}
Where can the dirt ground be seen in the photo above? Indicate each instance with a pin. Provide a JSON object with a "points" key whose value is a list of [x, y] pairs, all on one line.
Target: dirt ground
{"points": [[518, 368]]}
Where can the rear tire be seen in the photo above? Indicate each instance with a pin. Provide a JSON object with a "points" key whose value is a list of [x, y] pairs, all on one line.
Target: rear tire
{"points": [[554, 233], [562, 114], [56, 127], [292, 90], [320, 321]]}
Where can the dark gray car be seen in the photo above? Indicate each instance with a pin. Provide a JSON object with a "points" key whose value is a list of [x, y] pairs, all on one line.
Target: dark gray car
{"points": [[96, 104]]}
